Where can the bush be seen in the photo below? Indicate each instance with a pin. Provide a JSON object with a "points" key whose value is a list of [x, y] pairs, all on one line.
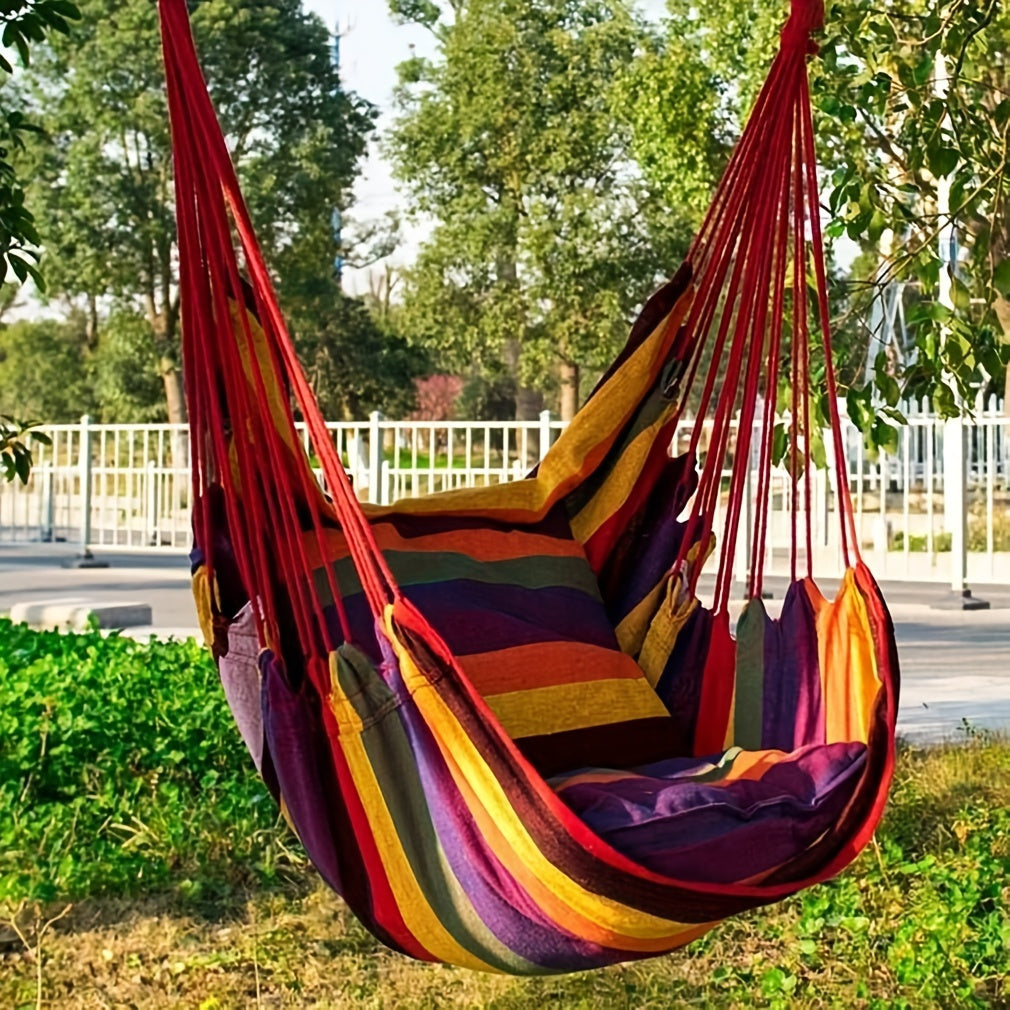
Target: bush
{"points": [[121, 770]]}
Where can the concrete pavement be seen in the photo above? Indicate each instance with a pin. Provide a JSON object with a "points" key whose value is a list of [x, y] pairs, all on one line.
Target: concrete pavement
{"points": [[955, 666]]}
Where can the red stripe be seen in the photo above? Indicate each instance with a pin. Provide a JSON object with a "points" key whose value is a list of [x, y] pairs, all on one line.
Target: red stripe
{"points": [[716, 690]]}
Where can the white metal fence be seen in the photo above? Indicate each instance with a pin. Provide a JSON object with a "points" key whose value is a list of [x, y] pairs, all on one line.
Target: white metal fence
{"points": [[128, 486]]}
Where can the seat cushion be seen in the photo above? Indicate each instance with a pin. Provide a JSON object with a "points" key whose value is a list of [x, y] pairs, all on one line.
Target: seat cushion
{"points": [[521, 611], [729, 817]]}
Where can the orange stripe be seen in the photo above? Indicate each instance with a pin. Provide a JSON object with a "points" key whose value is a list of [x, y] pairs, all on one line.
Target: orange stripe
{"points": [[563, 915], [752, 766], [481, 545], [545, 664]]}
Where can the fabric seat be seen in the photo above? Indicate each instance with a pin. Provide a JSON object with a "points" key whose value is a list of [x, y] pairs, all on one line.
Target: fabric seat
{"points": [[738, 815]]}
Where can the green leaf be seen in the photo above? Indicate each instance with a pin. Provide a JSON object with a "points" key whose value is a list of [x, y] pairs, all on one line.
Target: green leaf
{"points": [[942, 159], [884, 436], [1001, 278], [960, 295], [780, 443]]}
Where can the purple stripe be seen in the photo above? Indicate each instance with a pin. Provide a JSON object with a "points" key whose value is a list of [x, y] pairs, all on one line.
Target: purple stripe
{"points": [[501, 903], [554, 524], [649, 547], [721, 833], [793, 714], [476, 617], [298, 751]]}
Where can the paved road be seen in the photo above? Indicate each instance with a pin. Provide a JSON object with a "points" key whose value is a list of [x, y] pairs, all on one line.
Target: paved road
{"points": [[955, 665]]}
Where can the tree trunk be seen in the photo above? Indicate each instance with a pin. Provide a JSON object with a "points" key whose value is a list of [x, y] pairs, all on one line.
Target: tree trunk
{"points": [[569, 390], [529, 402], [91, 323], [174, 397]]}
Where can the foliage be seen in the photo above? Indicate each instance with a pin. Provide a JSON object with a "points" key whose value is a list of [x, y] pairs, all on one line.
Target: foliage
{"points": [[437, 396], [51, 368], [894, 135], [296, 135], [354, 365], [45, 370], [688, 92], [124, 371], [15, 449], [121, 771], [487, 395], [510, 140], [886, 141], [23, 23]]}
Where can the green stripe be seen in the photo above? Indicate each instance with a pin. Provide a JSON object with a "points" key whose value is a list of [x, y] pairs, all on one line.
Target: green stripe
{"points": [[395, 766], [721, 770], [650, 411], [748, 719], [418, 568]]}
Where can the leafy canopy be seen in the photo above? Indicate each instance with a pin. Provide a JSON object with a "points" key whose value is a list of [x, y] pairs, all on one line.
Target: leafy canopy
{"points": [[511, 140], [295, 133]]}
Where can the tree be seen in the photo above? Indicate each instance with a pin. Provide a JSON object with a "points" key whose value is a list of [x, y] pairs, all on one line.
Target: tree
{"points": [[886, 138], [511, 141], [895, 137], [45, 371], [353, 363], [23, 24], [296, 135]]}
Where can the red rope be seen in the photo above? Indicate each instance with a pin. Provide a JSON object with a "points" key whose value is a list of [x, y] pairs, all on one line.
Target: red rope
{"points": [[239, 387], [210, 204]]}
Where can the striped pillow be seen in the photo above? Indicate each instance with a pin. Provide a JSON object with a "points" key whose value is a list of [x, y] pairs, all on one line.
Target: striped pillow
{"points": [[521, 611]]}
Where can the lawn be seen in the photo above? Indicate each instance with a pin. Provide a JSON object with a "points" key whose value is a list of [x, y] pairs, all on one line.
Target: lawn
{"points": [[128, 809]]}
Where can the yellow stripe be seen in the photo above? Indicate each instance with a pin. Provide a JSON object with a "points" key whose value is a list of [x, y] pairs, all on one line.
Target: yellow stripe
{"points": [[418, 915], [634, 627], [848, 664], [595, 429], [561, 707], [276, 402], [620, 482], [204, 605], [666, 626], [628, 926]]}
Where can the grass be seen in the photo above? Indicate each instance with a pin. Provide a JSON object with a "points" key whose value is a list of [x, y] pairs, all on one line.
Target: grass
{"points": [[217, 908], [977, 537]]}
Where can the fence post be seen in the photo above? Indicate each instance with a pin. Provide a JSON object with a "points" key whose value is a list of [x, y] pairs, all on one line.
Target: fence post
{"points": [[385, 493], [955, 508], [153, 537], [85, 559], [375, 458], [49, 513], [545, 433]]}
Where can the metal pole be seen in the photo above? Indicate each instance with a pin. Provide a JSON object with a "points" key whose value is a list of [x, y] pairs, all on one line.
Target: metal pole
{"points": [[955, 477], [375, 458], [49, 527], [85, 559]]}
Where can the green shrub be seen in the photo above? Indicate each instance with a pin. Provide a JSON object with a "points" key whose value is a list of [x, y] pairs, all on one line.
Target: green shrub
{"points": [[121, 770], [978, 536], [918, 543]]}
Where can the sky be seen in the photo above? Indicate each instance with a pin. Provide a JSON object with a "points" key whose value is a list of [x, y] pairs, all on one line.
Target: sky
{"points": [[371, 47]]}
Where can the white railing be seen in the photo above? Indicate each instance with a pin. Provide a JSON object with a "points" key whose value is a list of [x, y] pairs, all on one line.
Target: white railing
{"points": [[128, 486]]}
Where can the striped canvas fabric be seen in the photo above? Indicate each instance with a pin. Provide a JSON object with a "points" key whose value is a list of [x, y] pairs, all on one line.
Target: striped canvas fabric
{"points": [[521, 610]]}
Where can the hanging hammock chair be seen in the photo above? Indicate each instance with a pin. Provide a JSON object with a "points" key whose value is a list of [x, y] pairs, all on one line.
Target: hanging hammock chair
{"points": [[500, 719]]}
